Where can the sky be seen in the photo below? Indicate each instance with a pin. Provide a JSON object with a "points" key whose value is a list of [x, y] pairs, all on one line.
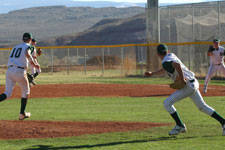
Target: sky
{"points": [[145, 1]]}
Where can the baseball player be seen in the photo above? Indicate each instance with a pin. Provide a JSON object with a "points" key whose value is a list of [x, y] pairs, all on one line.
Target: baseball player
{"points": [[34, 71], [16, 73], [216, 54], [178, 72]]}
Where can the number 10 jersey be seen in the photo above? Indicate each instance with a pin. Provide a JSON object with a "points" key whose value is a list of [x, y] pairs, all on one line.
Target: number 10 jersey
{"points": [[18, 57]]}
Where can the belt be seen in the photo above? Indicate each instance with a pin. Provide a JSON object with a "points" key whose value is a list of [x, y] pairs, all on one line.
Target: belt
{"points": [[16, 66], [218, 64], [191, 81]]}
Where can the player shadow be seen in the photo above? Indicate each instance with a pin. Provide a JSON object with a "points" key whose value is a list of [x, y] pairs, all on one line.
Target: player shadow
{"points": [[50, 147]]}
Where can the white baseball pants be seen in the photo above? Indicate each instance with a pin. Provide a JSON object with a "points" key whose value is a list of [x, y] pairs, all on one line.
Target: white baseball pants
{"points": [[190, 90], [212, 70], [16, 75]]}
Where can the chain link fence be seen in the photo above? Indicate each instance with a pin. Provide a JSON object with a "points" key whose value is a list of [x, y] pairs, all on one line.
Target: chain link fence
{"points": [[116, 61]]}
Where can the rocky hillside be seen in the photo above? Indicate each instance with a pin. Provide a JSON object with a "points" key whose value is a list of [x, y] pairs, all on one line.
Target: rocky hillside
{"points": [[54, 21], [106, 32]]}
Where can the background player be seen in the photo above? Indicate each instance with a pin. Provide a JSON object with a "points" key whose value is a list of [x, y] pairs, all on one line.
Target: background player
{"points": [[16, 73], [216, 54], [176, 70], [34, 71]]}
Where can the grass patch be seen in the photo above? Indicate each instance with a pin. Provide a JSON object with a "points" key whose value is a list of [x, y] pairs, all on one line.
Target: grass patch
{"points": [[203, 131]]}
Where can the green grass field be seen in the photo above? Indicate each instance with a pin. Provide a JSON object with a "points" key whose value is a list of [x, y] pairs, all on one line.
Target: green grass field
{"points": [[204, 133]]}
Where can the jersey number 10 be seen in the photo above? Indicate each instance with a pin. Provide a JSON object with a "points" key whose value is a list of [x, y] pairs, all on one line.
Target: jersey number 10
{"points": [[17, 52]]}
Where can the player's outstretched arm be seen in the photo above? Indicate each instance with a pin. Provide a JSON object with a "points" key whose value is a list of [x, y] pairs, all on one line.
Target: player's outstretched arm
{"points": [[158, 72], [32, 61]]}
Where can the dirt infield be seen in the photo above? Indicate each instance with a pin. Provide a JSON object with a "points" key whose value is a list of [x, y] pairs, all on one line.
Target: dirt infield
{"points": [[44, 129], [132, 90]]}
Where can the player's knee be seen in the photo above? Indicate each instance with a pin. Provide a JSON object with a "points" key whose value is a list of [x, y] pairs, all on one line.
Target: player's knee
{"points": [[8, 94], [166, 104], [26, 95]]}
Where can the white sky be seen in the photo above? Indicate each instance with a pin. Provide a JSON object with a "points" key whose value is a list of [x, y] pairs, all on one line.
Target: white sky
{"points": [[145, 1]]}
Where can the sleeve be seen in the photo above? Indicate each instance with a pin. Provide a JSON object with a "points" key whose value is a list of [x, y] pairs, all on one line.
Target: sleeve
{"points": [[168, 66], [29, 49], [223, 51]]}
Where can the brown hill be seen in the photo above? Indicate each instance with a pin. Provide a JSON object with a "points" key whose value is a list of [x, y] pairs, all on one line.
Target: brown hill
{"points": [[54, 21], [106, 32]]}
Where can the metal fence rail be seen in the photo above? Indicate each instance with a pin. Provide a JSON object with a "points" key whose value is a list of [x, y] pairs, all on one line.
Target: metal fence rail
{"points": [[114, 60]]}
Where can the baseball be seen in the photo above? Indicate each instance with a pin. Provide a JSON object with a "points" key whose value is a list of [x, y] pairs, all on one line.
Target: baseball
{"points": [[148, 73]]}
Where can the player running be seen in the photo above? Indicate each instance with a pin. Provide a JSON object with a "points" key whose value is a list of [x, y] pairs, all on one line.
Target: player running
{"points": [[16, 73], [216, 54], [176, 70]]}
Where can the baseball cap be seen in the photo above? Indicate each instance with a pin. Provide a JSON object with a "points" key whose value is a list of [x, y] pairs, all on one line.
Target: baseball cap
{"points": [[162, 48], [27, 36], [216, 40], [33, 40]]}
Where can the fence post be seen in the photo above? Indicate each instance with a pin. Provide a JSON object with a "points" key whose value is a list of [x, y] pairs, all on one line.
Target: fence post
{"points": [[169, 12], [142, 71], [68, 65], [85, 67], [108, 51], [189, 58], [218, 19], [52, 69], [103, 62], [121, 51]]}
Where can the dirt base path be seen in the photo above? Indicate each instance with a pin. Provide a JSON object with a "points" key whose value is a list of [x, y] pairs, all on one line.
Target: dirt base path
{"points": [[132, 90]]}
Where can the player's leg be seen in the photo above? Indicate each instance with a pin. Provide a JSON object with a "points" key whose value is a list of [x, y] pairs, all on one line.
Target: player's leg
{"points": [[202, 106], [169, 106], [211, 71], [221, 69], [9, 85], [25, 89]]}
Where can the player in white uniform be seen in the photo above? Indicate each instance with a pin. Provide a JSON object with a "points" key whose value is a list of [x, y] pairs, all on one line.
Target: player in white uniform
{"points": [[16, 73], [34, 71], [216, 54], [176, 69]]}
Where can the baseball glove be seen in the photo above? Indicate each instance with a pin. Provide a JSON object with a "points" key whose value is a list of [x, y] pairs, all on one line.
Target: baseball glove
{"points": [[177, 85], [211, 48], [39, 52], [30, 77]]}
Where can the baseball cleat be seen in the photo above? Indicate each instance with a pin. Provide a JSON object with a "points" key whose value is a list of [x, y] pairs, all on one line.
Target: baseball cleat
{"points": [[24, 116], [223, 128], [178, 129], [205, 89]]}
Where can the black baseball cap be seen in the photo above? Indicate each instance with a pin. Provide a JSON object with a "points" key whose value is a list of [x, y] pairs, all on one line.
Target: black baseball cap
{"points": [[216, 40], [33, 40], [27, 36], [162, 48]]}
